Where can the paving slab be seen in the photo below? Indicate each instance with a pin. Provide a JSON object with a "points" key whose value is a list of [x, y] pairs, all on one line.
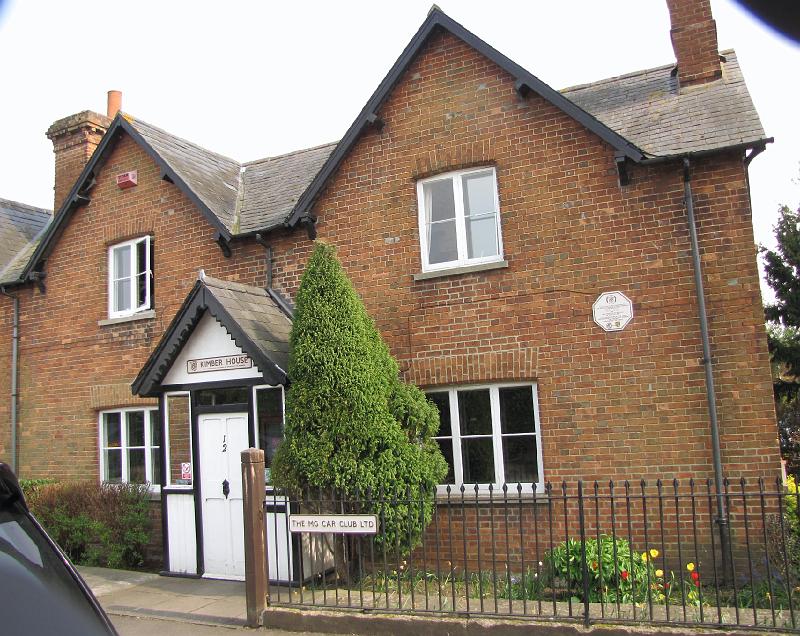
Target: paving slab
{"points": [[147, 594]]}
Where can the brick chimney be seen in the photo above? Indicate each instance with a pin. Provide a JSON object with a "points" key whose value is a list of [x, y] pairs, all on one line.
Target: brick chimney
{"points": [[694, 40], [74, 140]]}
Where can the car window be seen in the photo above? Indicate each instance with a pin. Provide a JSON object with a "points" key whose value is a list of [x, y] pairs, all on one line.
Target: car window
{"points": [[39, 594]]}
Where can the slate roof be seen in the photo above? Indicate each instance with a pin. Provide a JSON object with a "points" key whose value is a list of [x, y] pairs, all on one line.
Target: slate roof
{"points": [[213, 178], [245, 197], [272, 186], [21, 227], [647, 108], [258, 316], [250, 315]]}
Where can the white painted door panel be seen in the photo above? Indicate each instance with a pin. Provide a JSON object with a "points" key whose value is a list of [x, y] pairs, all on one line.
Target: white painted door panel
{"points": [[222, 438]]}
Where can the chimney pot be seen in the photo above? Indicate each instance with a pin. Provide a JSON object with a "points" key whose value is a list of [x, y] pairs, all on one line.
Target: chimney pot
{"points": [[114, 103]]}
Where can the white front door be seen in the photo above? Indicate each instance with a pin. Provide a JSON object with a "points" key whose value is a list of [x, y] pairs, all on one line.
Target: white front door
{"points": [[222, 438]]}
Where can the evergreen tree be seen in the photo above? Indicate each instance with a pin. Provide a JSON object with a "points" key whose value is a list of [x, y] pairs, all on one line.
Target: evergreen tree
{"points": [[351, 424], [782, 270]]}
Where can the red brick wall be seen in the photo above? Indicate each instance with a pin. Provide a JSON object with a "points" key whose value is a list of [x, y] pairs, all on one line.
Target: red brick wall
{"points": [[624, 404], [621, 404], [6, 321], [68, 359]]}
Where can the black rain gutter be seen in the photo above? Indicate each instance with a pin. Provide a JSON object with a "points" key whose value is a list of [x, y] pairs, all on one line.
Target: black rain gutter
{"points": [[758, 145], [524, 82], [722, 513], [14, 375]]}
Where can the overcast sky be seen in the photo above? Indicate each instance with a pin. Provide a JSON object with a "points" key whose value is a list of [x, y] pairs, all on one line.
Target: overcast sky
{"points": [[255, 79]]}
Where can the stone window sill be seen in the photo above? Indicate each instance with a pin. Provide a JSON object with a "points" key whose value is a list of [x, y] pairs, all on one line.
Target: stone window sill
{"points": [[483, 498], [464, 269], [142, 315]]}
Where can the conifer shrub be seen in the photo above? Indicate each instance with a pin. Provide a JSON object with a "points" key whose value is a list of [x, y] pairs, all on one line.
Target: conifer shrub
{"points": [[351, 424]]}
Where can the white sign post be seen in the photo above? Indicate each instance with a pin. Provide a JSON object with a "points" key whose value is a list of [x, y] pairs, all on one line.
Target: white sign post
{"points": [[344, 524], [612, 311]]}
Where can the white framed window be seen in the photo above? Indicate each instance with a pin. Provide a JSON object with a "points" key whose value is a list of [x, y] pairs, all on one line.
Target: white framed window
{"points": [[459, 219], [130, 446], [490, 435], [130, 277]]}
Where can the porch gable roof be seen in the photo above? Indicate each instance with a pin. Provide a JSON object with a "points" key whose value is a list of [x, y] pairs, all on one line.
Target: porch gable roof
{"points": [[257, 324]]}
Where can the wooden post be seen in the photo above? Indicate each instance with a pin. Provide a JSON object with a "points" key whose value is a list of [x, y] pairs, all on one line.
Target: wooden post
{"points": [[255, 544]]}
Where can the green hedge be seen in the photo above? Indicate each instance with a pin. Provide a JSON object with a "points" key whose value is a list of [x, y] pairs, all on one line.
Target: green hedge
{"points": [[95, 524]]}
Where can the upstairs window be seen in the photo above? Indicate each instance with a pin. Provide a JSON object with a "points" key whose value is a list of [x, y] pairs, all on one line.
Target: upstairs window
{"points": [[130, 277], [459, 219]]}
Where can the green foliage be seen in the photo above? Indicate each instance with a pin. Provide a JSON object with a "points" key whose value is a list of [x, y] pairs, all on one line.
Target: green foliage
{"points": [[614, 572], [94, 524], [782, 273], [783, 535], [32, 487], [351, 424]]}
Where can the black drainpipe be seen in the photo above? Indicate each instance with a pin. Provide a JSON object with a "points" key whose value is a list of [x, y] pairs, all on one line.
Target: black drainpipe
{"points": [[265, 244], [722, 513], [14, 366]]}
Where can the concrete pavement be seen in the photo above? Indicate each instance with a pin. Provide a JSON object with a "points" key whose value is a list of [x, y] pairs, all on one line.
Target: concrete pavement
{"points": [[146, 603]]}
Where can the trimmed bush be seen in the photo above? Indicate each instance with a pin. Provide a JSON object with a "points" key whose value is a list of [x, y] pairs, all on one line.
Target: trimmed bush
{"points": [[95, 524], [351, 424]]}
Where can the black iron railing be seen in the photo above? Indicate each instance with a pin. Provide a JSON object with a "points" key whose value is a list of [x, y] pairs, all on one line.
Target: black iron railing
{"points": [[629, 552]]}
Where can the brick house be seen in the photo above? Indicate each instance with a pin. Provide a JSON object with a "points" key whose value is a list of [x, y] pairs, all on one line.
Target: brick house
{"points": [[480, 214]]}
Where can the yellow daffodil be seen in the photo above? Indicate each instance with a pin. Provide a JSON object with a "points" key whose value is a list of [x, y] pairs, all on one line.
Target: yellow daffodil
{"points": [[659, 573], [653, 552], [690, 567], [644, 556]]}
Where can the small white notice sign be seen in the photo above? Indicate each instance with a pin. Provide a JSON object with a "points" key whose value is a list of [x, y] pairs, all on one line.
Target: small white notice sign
{"points": [[345, 524], [612, 311]]}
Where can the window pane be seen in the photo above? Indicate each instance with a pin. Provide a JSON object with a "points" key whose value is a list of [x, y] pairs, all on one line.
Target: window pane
{"points": [[446, 446], [141, 257], [439, 201], [519, 458], [179, 438], [111, 430], [113, 465], [136, 472], [442, 402], [122, 262], [442, 245], [135, 428], [141, 290], [478, 193], [122, 294], [482, 237], [269, 405], [475, 412], [477, 455], [516, 410], [215, 397], [155, 462], [155, 428]]}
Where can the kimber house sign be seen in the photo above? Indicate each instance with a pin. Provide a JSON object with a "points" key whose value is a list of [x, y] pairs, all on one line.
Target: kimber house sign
{"points": [[220, 363]]}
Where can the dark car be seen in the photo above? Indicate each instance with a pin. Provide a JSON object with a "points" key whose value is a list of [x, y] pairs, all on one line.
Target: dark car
{"points": [[40, 590]]}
